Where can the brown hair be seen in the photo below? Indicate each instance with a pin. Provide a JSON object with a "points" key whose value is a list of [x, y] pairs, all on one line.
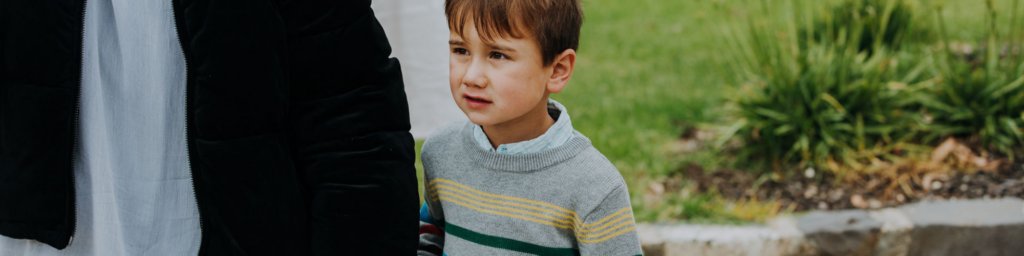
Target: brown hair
{"points": [[554, 23]]}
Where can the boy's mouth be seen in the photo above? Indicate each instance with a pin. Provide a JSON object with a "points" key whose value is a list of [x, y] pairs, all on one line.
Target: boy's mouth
{"points": [[475, 102]]}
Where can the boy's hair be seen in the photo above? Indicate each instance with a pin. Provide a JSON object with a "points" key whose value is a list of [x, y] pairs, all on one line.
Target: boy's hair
{"points": [[554, 23]]}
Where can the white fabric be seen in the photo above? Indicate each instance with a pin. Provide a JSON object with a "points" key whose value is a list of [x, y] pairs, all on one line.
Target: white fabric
{"points": [[556, 135], [418, 32], [133, 187]]}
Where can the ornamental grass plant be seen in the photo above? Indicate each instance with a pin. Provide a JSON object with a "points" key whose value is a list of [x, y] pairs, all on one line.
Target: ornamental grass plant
{"points": [[980, 96], [904, 21], [827, 103]]}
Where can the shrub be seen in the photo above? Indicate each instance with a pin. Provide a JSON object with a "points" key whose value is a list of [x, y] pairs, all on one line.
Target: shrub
{"points": [[828, 103], [887, 23], [981, 94]]}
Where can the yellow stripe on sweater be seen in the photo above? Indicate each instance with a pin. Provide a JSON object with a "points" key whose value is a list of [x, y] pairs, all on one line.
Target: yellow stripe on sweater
{"points": [[596, 238], [564, 218], [476, 205], [497, 207], [559, 214], [604, 227], [608, 236], [581, 228], [467, 205], [609, 217], [571, 215], [502, 196], [606, 231], [573, 220]]}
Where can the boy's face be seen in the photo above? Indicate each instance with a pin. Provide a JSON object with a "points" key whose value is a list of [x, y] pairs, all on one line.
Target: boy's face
{"points": [[498, 81]]}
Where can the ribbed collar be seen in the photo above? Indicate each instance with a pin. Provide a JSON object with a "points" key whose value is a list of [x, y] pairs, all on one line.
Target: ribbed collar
{"points": [[525, 162]]}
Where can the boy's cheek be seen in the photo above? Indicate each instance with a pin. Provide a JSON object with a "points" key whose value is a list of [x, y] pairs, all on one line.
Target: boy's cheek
{"points": [[455, 74], [454, 81]]}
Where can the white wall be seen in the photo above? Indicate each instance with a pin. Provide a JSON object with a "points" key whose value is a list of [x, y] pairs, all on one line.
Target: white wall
{"points": [[418, 33]]}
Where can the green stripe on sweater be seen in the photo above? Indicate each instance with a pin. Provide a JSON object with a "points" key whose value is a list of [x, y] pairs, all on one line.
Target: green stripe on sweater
{"points": [[505, 243]]}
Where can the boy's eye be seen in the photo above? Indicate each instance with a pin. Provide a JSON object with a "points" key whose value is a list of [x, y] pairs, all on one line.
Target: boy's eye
{"points": [[497, 55], [460, 51]]}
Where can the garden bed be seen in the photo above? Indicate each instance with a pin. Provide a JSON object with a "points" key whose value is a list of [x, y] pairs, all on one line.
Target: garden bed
{"points": [[953, 170], [849, 106], [800, 193]]}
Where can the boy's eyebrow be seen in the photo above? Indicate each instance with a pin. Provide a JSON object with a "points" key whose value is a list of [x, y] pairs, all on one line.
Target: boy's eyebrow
{"points": [[501, 48], [492, 46]]}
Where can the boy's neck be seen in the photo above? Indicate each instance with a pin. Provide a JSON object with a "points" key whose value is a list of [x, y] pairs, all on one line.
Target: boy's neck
{"points": [[526, 127]]}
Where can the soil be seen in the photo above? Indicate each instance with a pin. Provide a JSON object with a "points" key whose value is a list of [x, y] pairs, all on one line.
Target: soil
{"points": [[991, 176], [800, 193]]}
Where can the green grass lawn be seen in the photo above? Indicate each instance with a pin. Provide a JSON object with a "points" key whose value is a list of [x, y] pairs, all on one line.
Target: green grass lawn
{"points": [[646, 66]]}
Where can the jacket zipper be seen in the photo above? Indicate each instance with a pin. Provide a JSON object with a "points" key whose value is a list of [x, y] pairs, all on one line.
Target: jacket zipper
{"points": [[188, 141], [74, 134]]}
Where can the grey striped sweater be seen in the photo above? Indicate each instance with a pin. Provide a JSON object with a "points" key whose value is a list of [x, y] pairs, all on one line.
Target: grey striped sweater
{"points": [[569, 200]]}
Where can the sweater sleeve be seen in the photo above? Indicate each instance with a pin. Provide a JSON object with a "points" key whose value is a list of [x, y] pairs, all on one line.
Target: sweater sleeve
{"points": [[431, 233], [610, 228]]}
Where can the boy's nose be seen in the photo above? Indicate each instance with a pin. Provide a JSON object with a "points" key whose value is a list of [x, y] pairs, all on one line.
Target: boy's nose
{"points": [[475, 76]]}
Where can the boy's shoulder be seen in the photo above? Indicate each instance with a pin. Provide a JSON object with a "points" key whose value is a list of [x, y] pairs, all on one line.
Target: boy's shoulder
{"points": [[596, 168], [590, 177], [450, 129], [446, 137]]}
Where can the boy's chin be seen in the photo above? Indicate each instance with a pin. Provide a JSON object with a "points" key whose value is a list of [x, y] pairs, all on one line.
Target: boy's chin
{"points": [[481, 119]]}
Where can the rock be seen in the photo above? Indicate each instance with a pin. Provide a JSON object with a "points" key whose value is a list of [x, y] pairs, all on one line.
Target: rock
{"points": [[896, 228], [975, 227], [657, 188], [729, 240], [810, 192], [686, 146], [835, 195], [858, 201], [849, 232], [934, 180], [874, 204], [650, 240], [967, 227]]}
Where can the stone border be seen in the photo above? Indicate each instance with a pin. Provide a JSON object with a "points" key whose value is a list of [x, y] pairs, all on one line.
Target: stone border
{"points": [[955, 227]]}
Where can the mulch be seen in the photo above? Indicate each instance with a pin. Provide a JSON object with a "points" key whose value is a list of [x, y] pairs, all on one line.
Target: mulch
{"points": [[800, 193]]}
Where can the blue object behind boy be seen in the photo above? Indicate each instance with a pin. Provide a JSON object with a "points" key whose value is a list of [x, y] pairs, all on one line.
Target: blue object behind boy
{"points": [[517, 178]]}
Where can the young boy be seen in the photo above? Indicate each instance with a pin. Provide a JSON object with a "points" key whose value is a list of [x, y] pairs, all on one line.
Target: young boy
{"points": [[517, 179]]}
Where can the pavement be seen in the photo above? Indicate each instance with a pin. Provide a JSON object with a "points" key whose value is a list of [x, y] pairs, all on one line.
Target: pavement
{"points": [[954, 227]]}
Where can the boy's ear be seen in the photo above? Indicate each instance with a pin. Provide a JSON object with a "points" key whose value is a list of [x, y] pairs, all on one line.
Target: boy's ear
{"points": [[561, 70]]}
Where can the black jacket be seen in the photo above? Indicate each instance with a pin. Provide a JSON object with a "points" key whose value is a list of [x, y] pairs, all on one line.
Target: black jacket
{"points": [[298, 126]]}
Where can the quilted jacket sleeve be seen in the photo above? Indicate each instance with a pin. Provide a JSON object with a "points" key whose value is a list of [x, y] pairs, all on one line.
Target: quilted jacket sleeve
{"points": [[350, 130]]}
